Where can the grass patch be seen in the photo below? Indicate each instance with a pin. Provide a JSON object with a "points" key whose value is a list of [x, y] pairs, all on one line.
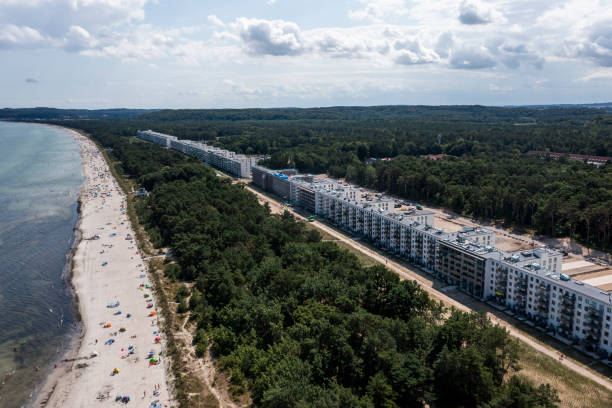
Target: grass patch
{"points": [[365, 260], [575, 391], [325, 236]]}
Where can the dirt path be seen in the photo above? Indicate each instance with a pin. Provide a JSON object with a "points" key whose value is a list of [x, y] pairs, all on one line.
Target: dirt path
{"points": [[406, 273], [203, 369]]}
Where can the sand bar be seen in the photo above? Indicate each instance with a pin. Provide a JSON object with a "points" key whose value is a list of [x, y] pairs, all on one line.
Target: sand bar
{"points": [[120, 326]]}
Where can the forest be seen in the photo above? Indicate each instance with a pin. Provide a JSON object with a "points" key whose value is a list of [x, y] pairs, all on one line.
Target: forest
{"points": [[298, 322], [485, 173]]}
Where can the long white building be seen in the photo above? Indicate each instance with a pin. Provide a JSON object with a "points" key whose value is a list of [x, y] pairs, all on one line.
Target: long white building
{"points": [[527, 284], [236, 164]]}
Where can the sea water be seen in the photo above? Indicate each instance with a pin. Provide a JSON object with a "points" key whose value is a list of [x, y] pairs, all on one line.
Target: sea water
{"points": [[40, 179]]}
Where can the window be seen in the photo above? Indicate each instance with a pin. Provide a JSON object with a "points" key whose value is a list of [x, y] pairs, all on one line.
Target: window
{"points": [[605, 341], [578, 313], [606, 334], [552, 301], [607, 326]]}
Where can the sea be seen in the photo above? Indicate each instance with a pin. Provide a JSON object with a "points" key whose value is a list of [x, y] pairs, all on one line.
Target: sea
{"points": [[40, 179]]}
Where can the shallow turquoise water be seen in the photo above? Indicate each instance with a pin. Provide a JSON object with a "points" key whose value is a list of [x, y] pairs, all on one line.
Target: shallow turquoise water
{"points": [[40, 177]]}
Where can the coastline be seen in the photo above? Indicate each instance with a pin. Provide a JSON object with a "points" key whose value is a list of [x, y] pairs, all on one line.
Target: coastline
{"points": [[51, 376], [72, 382]]}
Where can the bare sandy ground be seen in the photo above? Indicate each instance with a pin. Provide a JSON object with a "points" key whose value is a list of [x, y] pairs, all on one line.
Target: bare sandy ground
{"points": [[108, 269]]}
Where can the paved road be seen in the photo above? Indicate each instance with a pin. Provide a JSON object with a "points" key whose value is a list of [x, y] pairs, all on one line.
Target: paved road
{"points": [[427, 284]]}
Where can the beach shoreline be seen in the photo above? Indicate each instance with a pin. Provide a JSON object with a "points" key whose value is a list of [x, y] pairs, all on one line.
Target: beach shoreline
{"points": [[87, 363], [51, 376]]}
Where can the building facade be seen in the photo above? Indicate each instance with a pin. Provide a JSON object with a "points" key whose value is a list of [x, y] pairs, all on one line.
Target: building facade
{"points": [[238, 165], [527, 284]]}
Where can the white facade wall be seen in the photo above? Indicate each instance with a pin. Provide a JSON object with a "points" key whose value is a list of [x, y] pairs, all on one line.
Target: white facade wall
{"points": [[238, 165]]}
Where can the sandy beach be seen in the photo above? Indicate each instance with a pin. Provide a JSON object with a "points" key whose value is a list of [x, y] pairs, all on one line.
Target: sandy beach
{"points": [[120, 353]]}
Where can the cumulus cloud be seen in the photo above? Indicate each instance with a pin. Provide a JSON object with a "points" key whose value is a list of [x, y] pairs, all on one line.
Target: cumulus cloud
{"points": [[55, 17], [598, 44], [77, 39], [411, 53], [513, 54], [215, 21], [69, 24], [471, 59], [459, 35], [473, 12], [241, 89], [499, 88], [347, 43], [376, 10], [444, 44], [19, 36], [270, 37]]}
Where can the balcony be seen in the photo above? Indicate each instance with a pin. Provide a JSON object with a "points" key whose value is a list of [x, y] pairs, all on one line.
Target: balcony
{"points": [[593, 313], [593, 323], [568, 302]]}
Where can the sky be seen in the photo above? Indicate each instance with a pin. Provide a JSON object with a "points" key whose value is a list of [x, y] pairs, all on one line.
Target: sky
{"points": [[273, 53]]}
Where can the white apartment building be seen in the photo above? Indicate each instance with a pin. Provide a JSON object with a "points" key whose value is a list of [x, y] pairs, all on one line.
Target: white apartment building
{"points": [[527, 284], [236, 164]]}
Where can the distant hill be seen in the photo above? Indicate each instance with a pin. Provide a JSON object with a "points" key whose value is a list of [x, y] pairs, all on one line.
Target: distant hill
{"points": [[542, 114], [43, 113], [605, 106], [447, 114]]}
